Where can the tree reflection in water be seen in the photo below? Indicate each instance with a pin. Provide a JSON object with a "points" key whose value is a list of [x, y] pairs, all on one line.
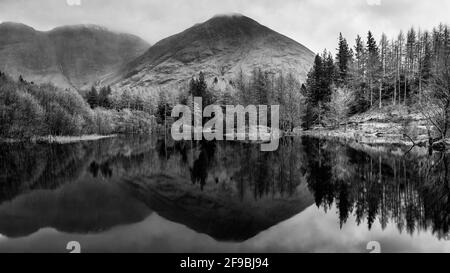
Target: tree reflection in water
{"points": [[373, 184], [411, 190]]}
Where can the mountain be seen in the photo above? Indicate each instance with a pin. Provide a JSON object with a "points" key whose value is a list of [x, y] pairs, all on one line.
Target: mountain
{"points": [[219, 47], [69, 57], [215, 212]]}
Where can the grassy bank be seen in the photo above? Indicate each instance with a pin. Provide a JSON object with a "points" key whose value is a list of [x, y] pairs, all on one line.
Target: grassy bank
{"points": [[71, 139], [57, 139]]}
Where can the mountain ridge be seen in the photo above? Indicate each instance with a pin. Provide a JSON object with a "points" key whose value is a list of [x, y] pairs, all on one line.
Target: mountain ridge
{"points": [[73, 56], [82, 55]]}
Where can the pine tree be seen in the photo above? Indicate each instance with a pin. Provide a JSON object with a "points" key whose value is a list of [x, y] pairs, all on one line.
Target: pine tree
{"points": [[199, 88], [373, 63], [103, 97], [92, 97], [260, 87], [242, 87], [343, 60], [313, 81], [328, 77], [394, 68], [410, 60], [319, 87], [425, 63], [202, 87], [360, 56], [383, 55], [400, 42], [359, 76]]}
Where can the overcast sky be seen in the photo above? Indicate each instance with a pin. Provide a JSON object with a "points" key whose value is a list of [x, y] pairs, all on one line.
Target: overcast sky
{"points": [[314, 23]]}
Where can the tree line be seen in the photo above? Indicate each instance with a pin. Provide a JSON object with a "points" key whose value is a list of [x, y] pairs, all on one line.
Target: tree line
{"points": [[411, 69], [259, 87], [28, 110]]}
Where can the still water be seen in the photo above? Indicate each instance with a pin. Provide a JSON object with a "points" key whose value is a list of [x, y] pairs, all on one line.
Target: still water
{"points": [[141, 194]]}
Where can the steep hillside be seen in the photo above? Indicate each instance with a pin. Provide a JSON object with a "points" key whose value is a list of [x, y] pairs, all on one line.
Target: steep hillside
{"points": [[69, 57], [220, 47]]}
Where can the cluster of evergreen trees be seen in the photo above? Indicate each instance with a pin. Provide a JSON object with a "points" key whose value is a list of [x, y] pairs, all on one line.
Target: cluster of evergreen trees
{"points": [[99, 98], [408, 69], [199, 88]]}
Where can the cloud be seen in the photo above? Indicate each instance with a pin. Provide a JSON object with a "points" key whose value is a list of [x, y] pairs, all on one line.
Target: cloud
{"points": [[74, 2], [374, 2]]}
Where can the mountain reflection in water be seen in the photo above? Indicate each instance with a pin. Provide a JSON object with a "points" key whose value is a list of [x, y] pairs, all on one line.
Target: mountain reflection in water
{"points": [[225, 196]]}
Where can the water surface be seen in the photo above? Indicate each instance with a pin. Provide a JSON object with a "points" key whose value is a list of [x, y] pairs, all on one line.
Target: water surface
{"points": [[141, 194]]}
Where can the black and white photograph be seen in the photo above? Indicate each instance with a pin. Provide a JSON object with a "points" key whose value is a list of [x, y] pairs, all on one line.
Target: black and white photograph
{"points": [[224, 126]]}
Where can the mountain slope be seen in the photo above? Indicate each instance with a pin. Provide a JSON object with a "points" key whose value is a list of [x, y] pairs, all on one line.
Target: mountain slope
{"points": [[69, 57], [219, 47]]}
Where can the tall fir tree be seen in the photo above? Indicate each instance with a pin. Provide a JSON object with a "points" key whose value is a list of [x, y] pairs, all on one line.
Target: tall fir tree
{"points": [[410, 61], [199, 88], [360, 58], [103, 97], [384, 51], [260, 87], [92, 97], [373, 64], [319, 88], [426, 63], [343, 60]]}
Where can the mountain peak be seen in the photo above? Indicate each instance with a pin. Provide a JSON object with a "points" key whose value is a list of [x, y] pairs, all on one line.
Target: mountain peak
{"points": [[232, 18], [220, 47], [228, 15]]}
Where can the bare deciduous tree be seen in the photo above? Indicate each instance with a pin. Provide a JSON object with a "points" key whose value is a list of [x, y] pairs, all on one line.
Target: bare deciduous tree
{"points": [[339, 105], [436, 106]]}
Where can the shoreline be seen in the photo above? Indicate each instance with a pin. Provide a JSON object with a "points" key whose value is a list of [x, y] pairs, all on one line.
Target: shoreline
{"points": [[394, 146], [362, 138], [59, 139]]}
